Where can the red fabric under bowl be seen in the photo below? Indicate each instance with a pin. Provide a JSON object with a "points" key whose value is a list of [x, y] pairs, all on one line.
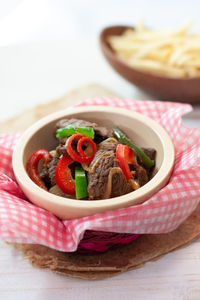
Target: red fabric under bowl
{"points": [[100, 241]]}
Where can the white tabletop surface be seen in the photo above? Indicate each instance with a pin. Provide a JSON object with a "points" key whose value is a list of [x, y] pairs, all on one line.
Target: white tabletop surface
{"points": [[46, 50]]}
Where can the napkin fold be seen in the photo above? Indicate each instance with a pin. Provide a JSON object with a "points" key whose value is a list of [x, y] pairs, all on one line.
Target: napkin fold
{"points": [[23, 222]]}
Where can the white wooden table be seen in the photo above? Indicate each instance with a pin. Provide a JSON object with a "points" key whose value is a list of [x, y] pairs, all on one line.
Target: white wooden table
{"points": [[174, 277], [35, 73]]}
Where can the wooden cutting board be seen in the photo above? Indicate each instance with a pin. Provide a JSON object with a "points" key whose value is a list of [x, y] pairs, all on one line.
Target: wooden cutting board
{"points": [[28, 117]]}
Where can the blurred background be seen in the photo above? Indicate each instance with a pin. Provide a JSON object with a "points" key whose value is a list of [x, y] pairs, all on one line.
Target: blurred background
{"points": [[49, 47]]}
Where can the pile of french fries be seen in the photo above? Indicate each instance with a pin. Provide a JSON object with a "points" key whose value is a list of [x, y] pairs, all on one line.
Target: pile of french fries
{"points": [[167, 53]]}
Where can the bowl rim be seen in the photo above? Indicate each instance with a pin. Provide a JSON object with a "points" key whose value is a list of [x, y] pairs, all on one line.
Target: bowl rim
{"points": [[110, 52], [164, 171]]}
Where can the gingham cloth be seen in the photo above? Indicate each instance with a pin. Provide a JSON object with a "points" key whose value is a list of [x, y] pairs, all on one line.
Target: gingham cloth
{"points": [[21, 221]]}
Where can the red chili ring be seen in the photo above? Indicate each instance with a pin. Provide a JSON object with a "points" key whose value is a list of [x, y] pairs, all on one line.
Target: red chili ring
{"points": [[80, 149], [32, 166], [80, 158], [69, 149], [63, 175]]}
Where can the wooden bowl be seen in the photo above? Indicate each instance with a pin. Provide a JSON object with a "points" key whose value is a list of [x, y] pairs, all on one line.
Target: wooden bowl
{"points": [[164, 88], [143, 131]]}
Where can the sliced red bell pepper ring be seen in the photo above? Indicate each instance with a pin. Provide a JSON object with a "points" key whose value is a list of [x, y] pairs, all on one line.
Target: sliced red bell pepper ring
{"points": [[80, 149], [32, 166], [80, 156], [63, 175], [125, 156]]}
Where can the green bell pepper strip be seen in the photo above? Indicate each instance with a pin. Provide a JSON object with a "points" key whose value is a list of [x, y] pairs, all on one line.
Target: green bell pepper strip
{"points": [[148, 163], [80, 183], [70, 130]]}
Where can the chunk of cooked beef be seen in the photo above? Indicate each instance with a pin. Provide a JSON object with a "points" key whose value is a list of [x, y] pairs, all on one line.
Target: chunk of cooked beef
{"points": [[120, 186], [109, 144], [99, 170], [48, 173], [150, 152], [141, 175], [144, 174], [52, 169], [101, 131], [61, 149], [99, 138], [98, 173], [44, 174], [74, 122]]}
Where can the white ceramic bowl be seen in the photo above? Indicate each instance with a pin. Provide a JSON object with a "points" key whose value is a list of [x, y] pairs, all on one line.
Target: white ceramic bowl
{"points": [[142, 130]]}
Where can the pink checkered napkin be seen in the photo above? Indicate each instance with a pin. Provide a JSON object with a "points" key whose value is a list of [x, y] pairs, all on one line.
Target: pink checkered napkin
{"points": [[21, 221]]}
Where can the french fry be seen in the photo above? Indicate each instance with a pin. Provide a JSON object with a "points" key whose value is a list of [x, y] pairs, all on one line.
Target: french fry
{"points": [[173, 53]]}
